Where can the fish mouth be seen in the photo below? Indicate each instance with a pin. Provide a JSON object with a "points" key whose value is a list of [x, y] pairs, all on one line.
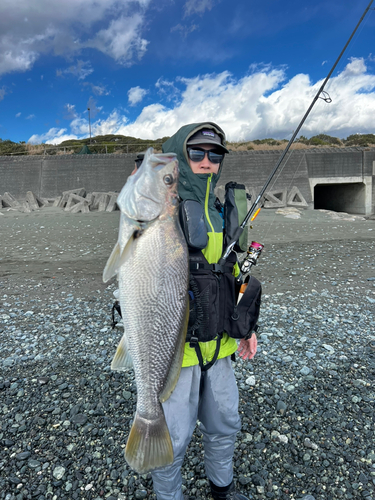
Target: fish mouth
{"points": [[148, 197]]}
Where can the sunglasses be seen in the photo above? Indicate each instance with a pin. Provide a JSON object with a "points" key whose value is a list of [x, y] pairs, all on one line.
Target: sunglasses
{"points": [[198, 155]]}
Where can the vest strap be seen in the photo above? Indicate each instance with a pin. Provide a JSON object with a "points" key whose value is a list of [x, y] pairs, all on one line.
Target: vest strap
{"points": [[216, 268], [204, 367]]}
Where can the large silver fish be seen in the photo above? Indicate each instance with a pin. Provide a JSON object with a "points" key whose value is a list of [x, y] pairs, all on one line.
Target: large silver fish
{"points": [[151, 263]]}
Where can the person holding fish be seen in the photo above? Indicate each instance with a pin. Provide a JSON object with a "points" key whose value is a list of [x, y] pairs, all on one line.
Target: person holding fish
{"points": [[180, 309], [206, 389]]}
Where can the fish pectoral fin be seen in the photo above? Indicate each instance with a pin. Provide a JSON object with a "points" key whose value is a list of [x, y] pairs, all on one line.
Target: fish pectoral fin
{"points": [[117, 258], [122, 360], [112, 264], [149, 444], [175, 369], [128, 250]]}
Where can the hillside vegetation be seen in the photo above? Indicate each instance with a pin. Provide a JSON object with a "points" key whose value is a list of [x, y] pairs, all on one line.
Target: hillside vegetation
{"points": [[119, 144]]}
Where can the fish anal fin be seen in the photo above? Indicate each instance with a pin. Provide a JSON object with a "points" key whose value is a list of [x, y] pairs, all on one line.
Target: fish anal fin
{"points": [[149, 444], [122, 360], [175, 369]]}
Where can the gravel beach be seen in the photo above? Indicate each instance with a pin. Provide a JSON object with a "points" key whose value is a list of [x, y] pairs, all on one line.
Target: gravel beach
{"points": [[307, 398]]}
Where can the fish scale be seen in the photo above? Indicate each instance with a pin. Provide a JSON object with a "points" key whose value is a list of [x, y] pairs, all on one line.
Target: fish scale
{"points": [[160, 310], [151, 262]]}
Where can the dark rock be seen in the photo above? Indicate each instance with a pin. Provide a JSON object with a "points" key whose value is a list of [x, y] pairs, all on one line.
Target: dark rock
{"points": [[79, 418]]}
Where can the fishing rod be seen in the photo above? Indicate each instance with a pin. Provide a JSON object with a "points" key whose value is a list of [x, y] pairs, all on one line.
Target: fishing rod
{"points": [[327, 99]]}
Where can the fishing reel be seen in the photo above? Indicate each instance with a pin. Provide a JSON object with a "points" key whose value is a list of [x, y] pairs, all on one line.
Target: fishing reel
{"points": [[253, 253]]}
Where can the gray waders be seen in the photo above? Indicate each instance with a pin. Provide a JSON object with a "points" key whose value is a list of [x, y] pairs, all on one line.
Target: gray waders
{"points": [[217, 410]]}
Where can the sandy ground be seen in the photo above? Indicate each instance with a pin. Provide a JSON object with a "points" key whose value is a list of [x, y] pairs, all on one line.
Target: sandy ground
{"points": [[59, 249]]}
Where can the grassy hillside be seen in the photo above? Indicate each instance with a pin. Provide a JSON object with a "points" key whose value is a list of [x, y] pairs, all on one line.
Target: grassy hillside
{"points": [[124, 144]]}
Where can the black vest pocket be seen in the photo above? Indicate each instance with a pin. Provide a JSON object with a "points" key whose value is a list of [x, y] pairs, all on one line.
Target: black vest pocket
{"points": [[204, 306], [240, 319]]}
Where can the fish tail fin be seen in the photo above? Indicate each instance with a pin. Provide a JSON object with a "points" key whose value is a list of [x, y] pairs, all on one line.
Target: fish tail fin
{"points": [[149, 444]]}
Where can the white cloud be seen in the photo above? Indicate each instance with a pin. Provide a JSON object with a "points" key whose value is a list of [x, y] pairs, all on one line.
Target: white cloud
{"points": [[70, 111], [18, 115], [167, 89], [30, 117], [94, 109], [261, 104], [15, 60], [81, 70], [80, 126], [2, 93], [53, 136], [31, 29], [184, 30], [97, 89], [109, 125], [197, 6], [121, 40], [135, 95]]}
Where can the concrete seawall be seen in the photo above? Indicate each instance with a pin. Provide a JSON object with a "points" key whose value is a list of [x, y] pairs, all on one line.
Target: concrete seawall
{"points": [[331, 178]]}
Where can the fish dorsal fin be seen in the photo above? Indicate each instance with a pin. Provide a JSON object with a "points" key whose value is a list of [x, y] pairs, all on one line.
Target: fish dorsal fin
{"points": [[175, 369], [122, 360], [117, 259]]}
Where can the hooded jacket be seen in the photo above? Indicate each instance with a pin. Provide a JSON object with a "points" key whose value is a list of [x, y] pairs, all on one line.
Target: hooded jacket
{"points": [[200, 187]]}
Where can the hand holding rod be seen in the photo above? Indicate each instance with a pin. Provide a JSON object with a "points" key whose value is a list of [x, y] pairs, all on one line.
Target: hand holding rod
{"points": [[240, 229]]}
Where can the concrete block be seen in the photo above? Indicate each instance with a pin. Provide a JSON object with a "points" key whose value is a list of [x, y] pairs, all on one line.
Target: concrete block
{"points": [[73, 199], [103, 202], [33, 201], [44, 202], [275, 199], [65, 196], [295, 198], [62, 200], [112, 205], [48, 202], [95, 199], [26, 207], [89, 198], [80, 207], [10, 201], [56, 203], [253, 194], [78, 192]]}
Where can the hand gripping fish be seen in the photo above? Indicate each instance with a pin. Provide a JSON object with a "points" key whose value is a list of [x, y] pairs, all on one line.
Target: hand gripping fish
{"points": [[151, 262]]}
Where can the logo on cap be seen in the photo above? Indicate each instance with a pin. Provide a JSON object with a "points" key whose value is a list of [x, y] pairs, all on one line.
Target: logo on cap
{"points": [[208, 132]]}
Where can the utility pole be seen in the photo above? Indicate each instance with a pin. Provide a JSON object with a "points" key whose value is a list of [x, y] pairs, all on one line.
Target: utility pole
{"points": [[88, 109]]}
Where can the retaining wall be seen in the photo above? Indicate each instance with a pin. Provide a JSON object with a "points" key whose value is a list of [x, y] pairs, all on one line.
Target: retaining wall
{"points": [[49, 176]]}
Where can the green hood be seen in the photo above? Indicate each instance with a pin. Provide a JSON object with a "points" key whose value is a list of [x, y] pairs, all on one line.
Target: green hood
{"points": [[194, 186]]}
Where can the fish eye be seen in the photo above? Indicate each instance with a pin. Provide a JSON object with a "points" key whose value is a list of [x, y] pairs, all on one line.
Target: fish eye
{"points": [[168, 179]]}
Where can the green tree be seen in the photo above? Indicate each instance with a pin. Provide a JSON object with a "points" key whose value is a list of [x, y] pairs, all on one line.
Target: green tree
{"points": [[361, 140]]}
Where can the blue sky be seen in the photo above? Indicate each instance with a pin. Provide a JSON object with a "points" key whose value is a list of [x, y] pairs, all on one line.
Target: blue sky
{"points": [[147, 67]]}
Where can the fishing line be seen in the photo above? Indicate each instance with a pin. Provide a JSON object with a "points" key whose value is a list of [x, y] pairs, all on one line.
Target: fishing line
{"points": [[240, 229], [356, 36], [303, 156], [324, 96]]}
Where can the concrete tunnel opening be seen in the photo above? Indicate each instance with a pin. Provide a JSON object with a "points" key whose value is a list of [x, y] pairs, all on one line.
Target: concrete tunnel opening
{"points": [[343, 197]]}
